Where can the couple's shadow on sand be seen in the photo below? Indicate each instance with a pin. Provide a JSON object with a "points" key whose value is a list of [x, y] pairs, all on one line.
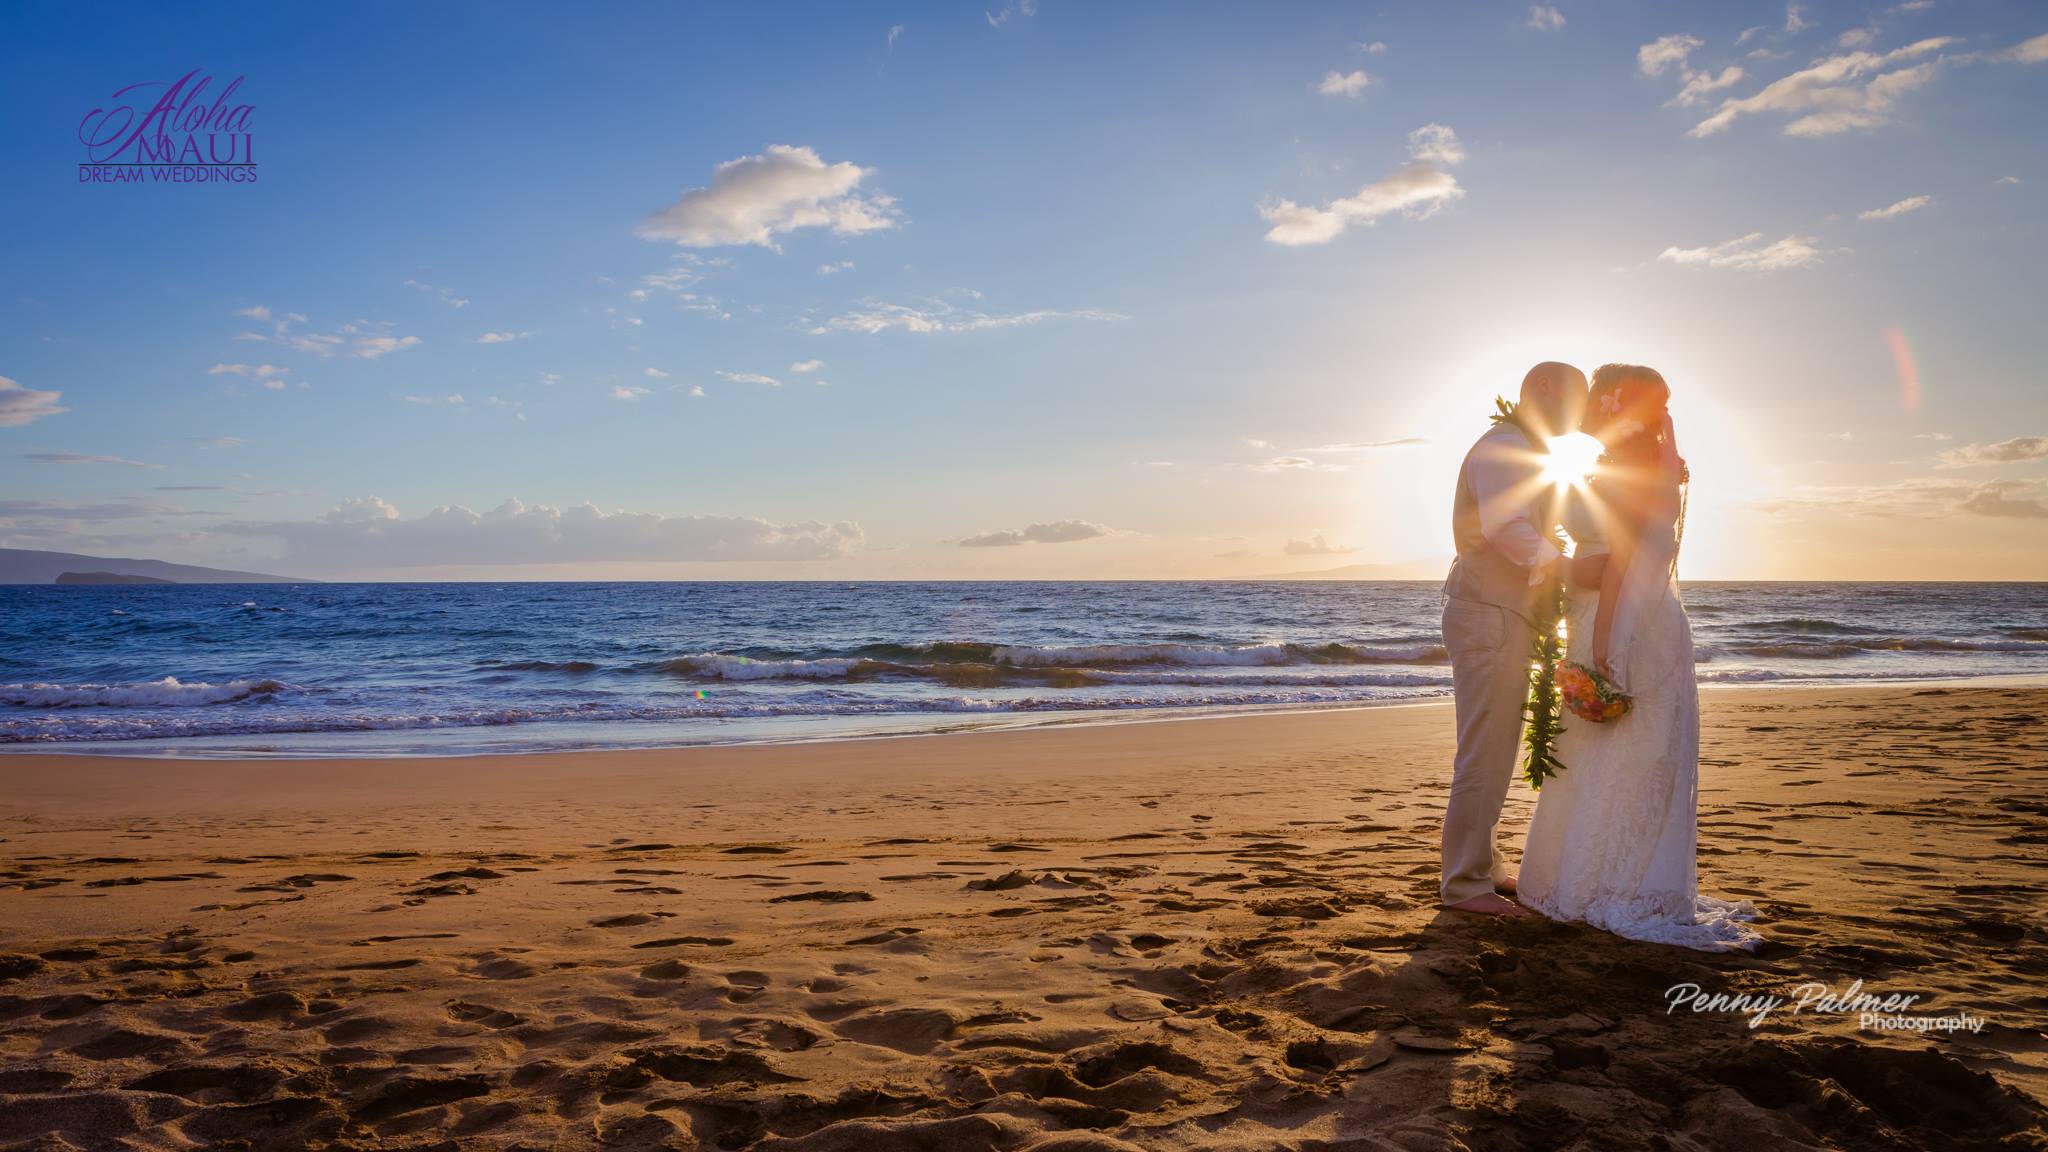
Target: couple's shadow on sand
{"points": [[1524, 1033]]}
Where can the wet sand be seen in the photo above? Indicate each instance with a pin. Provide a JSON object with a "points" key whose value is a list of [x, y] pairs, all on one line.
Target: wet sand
{"points": [[1197, 934]]}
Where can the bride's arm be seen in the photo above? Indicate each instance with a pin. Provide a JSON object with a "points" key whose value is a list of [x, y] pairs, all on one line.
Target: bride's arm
{"points": [[1622, 547]]}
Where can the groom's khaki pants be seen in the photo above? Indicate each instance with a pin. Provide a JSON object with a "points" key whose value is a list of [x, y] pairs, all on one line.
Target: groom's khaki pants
{"points": [[1489, 648]]}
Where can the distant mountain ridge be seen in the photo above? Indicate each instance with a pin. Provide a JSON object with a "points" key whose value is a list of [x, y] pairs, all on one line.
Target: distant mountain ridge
{"points": [[29, 566]]}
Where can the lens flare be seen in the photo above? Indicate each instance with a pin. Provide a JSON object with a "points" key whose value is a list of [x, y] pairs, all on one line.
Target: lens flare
{"points": [[1572, 457], [1909, 370]]}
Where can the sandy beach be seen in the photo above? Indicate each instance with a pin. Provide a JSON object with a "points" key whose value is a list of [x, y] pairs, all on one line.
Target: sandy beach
{"points": [[1197, 934]]}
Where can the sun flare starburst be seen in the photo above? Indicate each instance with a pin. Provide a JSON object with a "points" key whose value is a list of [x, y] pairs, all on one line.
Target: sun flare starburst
{"points": [[1572, 457]]}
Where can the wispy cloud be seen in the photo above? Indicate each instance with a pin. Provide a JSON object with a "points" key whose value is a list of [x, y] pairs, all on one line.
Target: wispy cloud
{"points": [[2018, 450], [1750, 254], [1835, 94], [939, 316], [501, 337], [806, 367], [1014, 10], [369, 533], [1654, 58], [1417, 189], [654, 373], [1544, 18], [445, 295], [85, 458], [20, 406], [1344, 84], [782, 189], [2015, 499], [751, 378], [1316, 546], [1909, 204], [1056, 532], [835, 267], [629, 392]]}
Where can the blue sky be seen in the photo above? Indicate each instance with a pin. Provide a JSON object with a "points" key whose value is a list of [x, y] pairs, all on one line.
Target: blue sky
{"points": [[1042, 290]]}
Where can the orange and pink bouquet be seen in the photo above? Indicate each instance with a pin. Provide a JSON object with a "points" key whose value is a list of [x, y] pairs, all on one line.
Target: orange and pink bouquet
{"points": [[1591, 696]]}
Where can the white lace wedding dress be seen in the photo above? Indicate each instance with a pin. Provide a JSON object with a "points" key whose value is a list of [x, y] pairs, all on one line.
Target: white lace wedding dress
{"points": [[1612, 842]]}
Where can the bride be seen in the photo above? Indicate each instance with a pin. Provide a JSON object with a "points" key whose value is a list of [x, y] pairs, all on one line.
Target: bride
{"points": [[1612, 842]]}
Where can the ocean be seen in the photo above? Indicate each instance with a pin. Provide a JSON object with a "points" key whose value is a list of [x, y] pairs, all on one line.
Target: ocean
{"points": [[391, 669]]}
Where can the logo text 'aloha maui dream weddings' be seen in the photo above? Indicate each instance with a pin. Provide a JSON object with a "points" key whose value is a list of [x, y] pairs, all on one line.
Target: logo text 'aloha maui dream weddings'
{"points": [[170, 133], [1883, 1013]]}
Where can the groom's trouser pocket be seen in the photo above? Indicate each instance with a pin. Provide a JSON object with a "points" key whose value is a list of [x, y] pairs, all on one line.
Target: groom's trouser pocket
{"points": [[1472, 628]]}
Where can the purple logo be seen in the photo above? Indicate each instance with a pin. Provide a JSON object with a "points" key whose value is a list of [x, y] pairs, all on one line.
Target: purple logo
{"points": [[171, 133]]}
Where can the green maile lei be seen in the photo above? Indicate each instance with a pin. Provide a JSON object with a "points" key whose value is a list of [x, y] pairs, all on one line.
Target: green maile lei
{"points": [[1544, 711]]}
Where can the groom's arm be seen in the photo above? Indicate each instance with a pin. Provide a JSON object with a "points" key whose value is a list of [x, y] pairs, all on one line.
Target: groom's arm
{"points": [[1505, 480]]}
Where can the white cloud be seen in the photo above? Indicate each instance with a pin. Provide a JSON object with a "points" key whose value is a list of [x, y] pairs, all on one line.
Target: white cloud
{"points": [[20, 406], [654, 373], [751, 378], [696, 391], [2017, 499], [1364, 445], [1699, 85], [1435, 144], [753, 199], [446, 295], [1835, 94], [1013, 10], [1315, 547], [369, 533], [630, 392], [834, 267], [1675, 51], [1795, 19], [1856, 37], [895, 30], [1376, 48], [1292, 464], [1909, 204], [1417, 190], [1544, 18], [2018, 450], [501, 337], [1653, 58], [256, 312], [376, 347], [84, 458], [1343, 84], [806, 367], [2032, 51], [2006, 180], [940, 316], [259, 371], [453, 398], [1057, 532], [1749, 253]]}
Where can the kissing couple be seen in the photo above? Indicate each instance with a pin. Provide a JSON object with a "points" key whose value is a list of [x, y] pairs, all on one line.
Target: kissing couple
{"points": [[1613, 840]]}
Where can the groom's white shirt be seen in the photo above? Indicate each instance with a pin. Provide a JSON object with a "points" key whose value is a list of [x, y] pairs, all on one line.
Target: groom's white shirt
{"points": [[1505, 472]]}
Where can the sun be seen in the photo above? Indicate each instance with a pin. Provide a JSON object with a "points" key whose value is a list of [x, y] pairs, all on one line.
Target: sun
{"points": [[1572, 457]]}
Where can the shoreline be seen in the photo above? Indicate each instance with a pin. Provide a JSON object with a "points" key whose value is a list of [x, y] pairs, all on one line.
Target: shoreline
{"points": [[193, 749]]}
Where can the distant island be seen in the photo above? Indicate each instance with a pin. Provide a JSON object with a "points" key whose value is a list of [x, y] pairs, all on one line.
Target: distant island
{"points": [[108, 578], [30, 566]]}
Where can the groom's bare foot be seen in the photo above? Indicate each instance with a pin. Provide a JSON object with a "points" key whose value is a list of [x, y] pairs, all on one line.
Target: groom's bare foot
{"points": [[1490, 904], [1506, 887]]}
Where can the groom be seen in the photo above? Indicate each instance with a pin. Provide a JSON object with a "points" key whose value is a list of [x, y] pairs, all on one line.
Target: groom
{"points": [[1505, 522]]}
